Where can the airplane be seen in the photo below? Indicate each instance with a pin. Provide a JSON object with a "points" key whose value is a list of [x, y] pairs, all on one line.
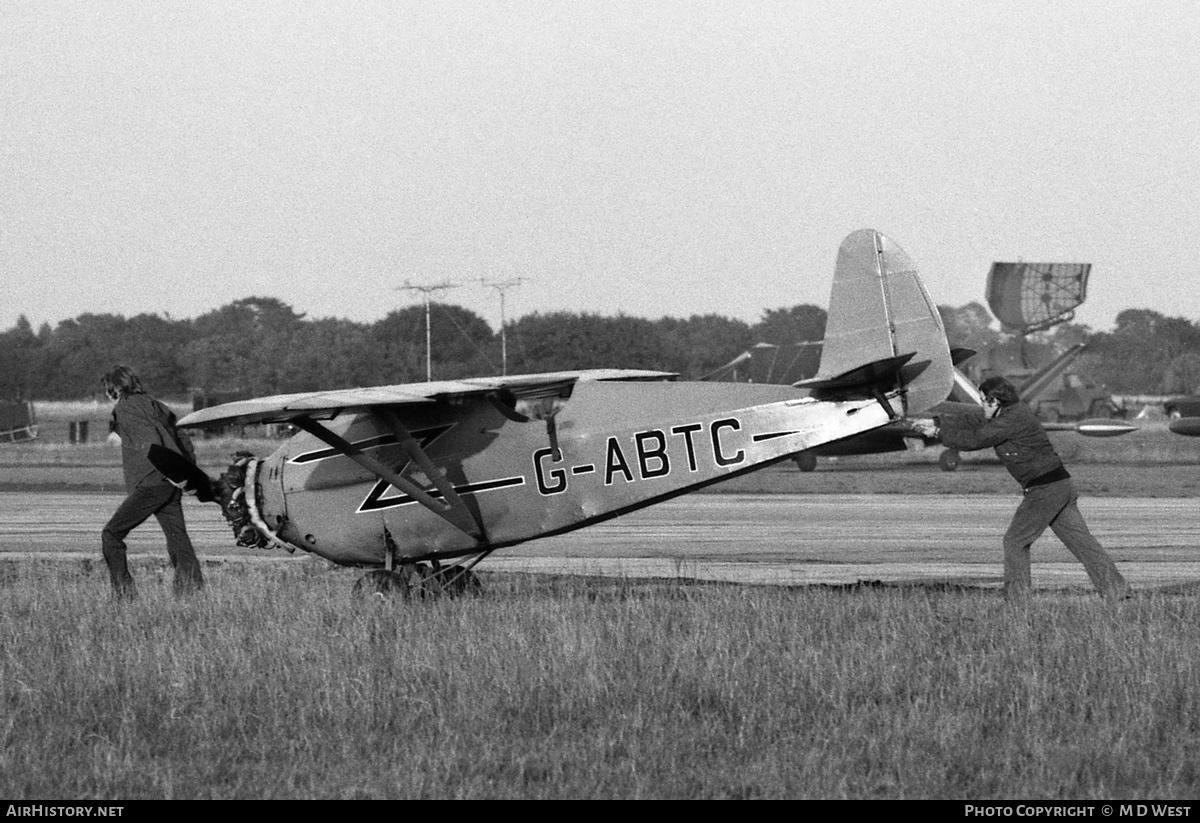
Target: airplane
{"points": [[418, 483]]}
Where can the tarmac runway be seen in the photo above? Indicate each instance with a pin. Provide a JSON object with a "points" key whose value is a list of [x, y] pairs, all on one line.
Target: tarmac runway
{"points": [[763, 539]]}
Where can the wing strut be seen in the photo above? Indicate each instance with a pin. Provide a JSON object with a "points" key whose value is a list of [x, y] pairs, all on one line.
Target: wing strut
{"points": [[453, 511], [413, 449]]}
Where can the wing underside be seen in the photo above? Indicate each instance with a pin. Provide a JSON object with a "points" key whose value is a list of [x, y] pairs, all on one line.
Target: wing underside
{"points": [[287, 408]]}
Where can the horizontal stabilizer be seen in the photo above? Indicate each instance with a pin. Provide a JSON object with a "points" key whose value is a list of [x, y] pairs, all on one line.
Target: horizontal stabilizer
{"points": [[178, 469], [880, 373], [960, 355]]}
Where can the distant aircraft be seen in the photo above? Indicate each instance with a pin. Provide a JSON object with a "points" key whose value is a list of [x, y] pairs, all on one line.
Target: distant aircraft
{"points": [[420, 482]]}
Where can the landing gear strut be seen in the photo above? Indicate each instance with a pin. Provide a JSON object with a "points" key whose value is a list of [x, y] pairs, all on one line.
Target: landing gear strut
{"points": [[418, 581], [455, 581]]}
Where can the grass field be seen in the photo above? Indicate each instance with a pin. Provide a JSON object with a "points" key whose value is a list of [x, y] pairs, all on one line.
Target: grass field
{"points": [[280, 686]]}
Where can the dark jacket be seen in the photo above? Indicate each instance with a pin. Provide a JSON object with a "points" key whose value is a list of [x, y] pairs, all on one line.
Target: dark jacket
{"points": [[140, 421], [1015, 432]]}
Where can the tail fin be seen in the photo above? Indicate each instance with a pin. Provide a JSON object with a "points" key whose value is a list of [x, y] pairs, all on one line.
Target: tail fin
{"points": [[879, 311]]}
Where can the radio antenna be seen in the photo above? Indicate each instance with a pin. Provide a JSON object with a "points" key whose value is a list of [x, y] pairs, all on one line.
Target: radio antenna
{"points": [[503, 286], [426, 291]]}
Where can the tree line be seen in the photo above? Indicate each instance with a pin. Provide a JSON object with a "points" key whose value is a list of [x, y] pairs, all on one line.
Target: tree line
{"points": [[261, 345]]}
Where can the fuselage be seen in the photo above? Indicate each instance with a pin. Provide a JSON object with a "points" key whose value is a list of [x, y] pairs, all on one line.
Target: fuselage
{"points": [[621, 446]]}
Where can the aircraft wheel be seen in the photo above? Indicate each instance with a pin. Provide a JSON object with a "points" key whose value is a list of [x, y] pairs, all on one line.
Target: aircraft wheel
{"points": [[806, 462], [948, 460]]}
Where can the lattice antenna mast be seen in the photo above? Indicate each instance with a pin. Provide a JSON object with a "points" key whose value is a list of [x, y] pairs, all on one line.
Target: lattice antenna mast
{"points": [[503, 286], [426, 291]]}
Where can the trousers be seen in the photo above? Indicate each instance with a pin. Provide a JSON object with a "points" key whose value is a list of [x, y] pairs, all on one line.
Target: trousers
{"points": [[1055, 505], [164, 502]]}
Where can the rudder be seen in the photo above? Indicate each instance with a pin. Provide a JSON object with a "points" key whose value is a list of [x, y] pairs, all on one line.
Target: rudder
{"points": [[879, 310]]}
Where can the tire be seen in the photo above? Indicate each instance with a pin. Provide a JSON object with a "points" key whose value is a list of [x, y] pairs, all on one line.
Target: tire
{"points": [[806, 461], [948, 460]]}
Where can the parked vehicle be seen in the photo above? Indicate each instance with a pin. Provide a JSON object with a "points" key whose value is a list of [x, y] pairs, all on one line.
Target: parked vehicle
{"points": [[1185, 405]]}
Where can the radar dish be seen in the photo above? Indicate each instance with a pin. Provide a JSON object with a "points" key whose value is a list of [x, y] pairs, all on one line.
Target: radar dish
{"points": [[1030, 297]]}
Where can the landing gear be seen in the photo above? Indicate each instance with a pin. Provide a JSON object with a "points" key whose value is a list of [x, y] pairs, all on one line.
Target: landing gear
{"points": [[948, 460], [418, 581], [455, 581]]}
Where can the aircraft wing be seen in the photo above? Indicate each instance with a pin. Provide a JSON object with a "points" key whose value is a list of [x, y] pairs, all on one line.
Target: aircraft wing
{"points": [[283, 408]]}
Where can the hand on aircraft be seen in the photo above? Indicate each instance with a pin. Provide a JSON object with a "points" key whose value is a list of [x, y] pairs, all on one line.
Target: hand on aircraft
{"points": [[928, 428]]}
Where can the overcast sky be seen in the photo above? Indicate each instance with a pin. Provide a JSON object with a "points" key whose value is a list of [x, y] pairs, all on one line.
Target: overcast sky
{"points": [[651, 158]]}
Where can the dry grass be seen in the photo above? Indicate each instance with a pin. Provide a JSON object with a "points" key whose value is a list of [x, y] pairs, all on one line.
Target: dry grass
{"points": [[275, 684]]}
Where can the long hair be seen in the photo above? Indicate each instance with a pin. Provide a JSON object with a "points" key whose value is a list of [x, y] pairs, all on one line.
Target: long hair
{"points": [[122, 381], [1000, 390]]}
